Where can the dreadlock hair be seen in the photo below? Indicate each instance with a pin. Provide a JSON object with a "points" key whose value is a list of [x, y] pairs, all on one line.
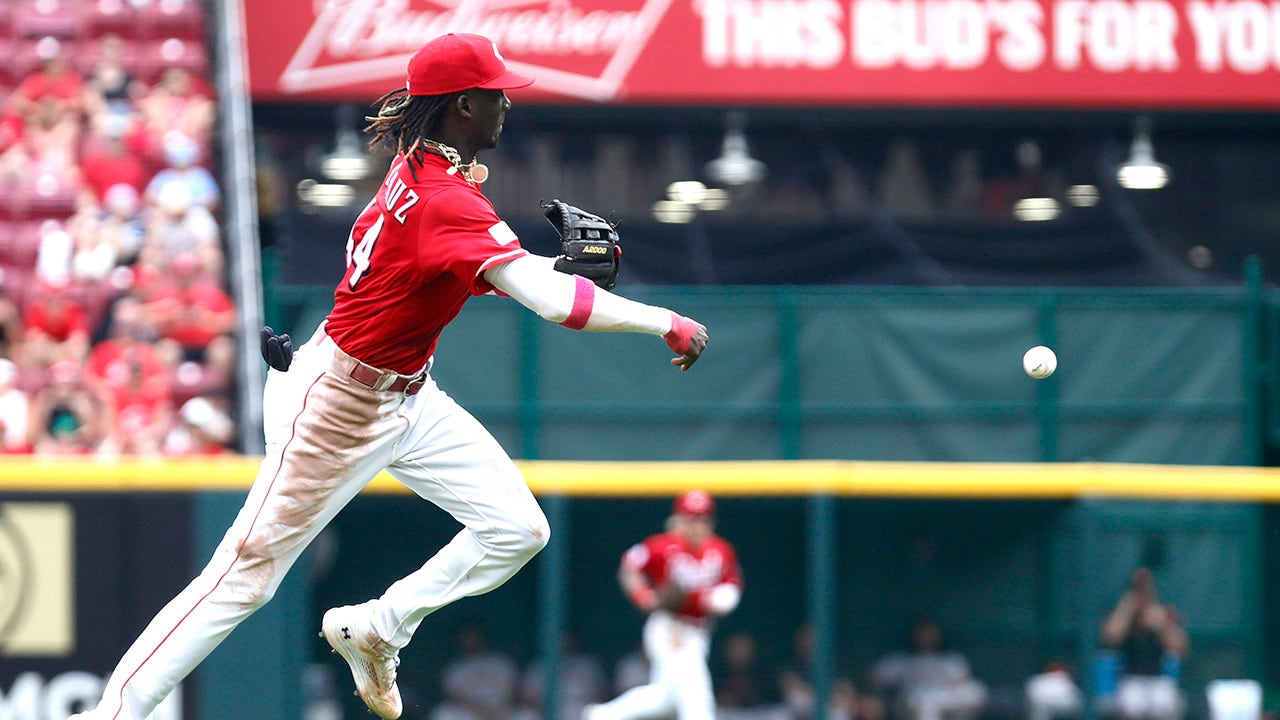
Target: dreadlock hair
{"points": [[404, 120]]}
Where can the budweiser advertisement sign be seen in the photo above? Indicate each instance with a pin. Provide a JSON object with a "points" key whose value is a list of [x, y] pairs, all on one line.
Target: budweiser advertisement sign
{"points": [[1145, 54]]}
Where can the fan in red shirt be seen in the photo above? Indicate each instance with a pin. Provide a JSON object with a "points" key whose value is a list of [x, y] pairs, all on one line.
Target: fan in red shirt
{"points": [[195, 317], [684, 579], [56, 325]]}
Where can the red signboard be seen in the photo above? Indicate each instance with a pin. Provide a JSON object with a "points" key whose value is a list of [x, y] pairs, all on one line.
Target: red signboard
{"points": [[1140, 54]]}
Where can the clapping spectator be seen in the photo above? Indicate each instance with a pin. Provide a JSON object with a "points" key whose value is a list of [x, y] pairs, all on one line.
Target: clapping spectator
{"points": [[15, 410], [1149, 637], [67, 413]]}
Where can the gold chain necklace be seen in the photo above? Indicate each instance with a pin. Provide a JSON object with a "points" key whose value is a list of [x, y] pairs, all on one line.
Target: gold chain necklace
{"points": [[473, 172]]}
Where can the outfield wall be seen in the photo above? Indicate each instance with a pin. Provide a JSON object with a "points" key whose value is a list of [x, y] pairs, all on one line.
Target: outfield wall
{"points": [[1018, 560]]}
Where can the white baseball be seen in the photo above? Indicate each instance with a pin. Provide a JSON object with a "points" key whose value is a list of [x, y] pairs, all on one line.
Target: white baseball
{"points": [[1039, 362]]}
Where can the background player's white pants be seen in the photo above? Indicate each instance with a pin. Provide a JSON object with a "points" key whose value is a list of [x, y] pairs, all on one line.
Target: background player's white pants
{"points": [[679, 683], [316, 461]]}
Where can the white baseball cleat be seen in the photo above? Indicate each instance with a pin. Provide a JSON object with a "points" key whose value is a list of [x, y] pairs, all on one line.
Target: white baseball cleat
{"points": [[373, 667]]}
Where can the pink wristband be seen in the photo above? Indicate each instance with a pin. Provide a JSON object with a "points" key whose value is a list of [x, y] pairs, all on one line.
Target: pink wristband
{"points": [[682, 331], [584, 297]]}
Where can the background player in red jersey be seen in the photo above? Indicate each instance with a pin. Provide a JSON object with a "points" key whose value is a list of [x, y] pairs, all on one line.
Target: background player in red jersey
{"points": [[684, 578], [359, 398]]}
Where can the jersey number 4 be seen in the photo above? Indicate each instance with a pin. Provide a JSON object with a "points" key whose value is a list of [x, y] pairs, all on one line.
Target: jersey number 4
{"points": [[358, 255]]}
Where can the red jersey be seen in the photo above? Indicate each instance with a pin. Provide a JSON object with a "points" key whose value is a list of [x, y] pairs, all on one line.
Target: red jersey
{"points": [[414, 257], [58, 322], [668, 559]]}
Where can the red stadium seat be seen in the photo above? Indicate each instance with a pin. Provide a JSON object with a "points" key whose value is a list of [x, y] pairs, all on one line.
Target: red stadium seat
{"points": [[111, 16], [183, 19], [20, 246], [44, 18], [157, 55], [43, 204]]}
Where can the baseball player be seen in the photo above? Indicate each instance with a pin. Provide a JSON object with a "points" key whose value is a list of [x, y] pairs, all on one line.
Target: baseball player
{"points": [[684, 579], [358, 397]]}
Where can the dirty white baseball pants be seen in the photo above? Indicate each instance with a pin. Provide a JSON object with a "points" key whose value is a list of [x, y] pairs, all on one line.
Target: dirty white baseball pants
{"points": [[327, 437], [679, 681]]}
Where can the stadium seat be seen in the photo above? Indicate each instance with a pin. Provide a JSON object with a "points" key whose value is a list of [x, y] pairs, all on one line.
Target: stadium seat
{"points": [[21, 244], [47, 18], [55, 202], [184, 19], [157, 55], [111, 16]]}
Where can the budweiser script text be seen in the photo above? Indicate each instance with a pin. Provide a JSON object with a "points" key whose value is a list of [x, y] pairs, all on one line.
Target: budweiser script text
{"points": [[376, 28]]}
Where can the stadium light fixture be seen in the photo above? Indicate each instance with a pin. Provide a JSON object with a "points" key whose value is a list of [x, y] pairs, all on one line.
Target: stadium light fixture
{"points": [[348, 161], [735, 166], [1142, 171]]}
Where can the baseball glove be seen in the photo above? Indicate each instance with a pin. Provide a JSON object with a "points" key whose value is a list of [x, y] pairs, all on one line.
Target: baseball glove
{"points": [[588, 243], [277, 350]]}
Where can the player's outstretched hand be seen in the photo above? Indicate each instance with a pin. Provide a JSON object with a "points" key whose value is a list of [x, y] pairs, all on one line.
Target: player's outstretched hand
{"points": [[688, 338], [277, 350]]}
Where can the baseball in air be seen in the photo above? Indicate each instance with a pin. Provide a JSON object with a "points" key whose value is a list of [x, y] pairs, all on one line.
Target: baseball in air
{"points": [[1039, 362]]}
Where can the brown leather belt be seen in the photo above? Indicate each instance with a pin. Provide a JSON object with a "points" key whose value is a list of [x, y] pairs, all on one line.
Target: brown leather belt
{"points": [[375, 379]]}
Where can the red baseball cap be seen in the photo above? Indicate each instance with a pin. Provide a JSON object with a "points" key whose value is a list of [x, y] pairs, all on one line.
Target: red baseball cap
{"points": [[460, 61], [697, 503]]}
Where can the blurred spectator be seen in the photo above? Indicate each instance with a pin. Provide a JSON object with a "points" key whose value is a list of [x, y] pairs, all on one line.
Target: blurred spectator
{"points": [[120, 222], [44, 159], [745, 688], [581, 682], [176, 104], [631, 670], [57, 247], [1053, 694], [131, 339], [53, 85], [966, 186], [111, 88], [795, 682], [67, 414], [108, 161], [139, 410], [176, 225], [203, 428], [927, 681], [181, 155], [10, 322], [55, 326], [15, 411], [1152, 644], [903, 188], [195, 318], [481, 683]]}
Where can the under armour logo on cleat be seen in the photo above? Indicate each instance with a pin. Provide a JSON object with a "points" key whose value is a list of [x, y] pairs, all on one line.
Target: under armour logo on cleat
{"points": [[346, 633]]}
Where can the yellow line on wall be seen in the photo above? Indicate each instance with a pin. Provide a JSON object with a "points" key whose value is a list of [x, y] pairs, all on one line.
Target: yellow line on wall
{"points": [[747, 478]]}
